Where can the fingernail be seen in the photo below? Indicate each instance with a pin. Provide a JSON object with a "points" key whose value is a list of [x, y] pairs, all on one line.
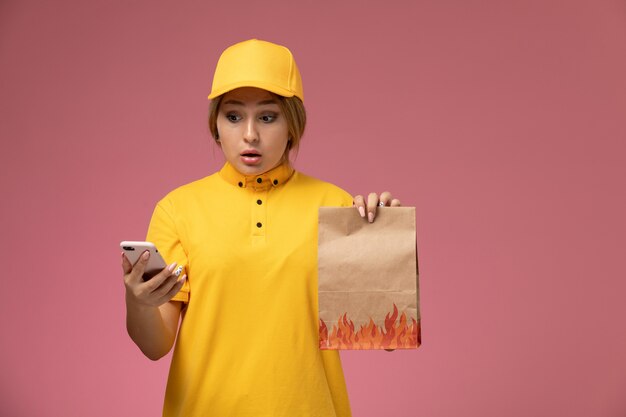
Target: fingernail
{"points": [[370, 217], [362, 212], [171, 267], [178, 270], [183, 278], [145, 255]]}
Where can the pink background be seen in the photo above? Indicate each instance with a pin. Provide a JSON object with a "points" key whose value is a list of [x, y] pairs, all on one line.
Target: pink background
{"points": [[502, 122]]}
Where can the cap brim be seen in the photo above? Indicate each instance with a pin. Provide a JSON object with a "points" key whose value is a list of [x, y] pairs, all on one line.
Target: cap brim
{"points": [[265, 86]]}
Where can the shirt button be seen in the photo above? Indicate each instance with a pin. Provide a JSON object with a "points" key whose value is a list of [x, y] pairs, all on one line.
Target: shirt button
{"points": [[259, 202], [240, 184], [275, 182], [259, 180], [259, 225]]}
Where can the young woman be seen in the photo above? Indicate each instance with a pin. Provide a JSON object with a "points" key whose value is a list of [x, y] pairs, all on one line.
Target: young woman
{"points": [[246, 238]]}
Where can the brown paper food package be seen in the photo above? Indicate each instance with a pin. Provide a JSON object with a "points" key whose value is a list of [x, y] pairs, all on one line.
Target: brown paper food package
{"points": [[368, 281]]}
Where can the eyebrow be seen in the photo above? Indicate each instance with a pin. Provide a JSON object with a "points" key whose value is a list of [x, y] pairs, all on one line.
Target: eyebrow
{"points": [[260, 103]]}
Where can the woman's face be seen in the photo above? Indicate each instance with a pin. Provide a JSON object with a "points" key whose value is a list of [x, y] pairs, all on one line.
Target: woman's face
{"points": [[252, 130]]}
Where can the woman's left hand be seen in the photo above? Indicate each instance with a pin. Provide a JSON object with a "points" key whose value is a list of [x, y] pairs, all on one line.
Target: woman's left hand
{"points": [[368, 208]]}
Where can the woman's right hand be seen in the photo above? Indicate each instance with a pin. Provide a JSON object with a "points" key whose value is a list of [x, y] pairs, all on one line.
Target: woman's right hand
{"points": [[152, 293]]}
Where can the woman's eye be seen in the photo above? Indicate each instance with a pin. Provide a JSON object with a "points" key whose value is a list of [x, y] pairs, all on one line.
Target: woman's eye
{"points": [[233, 117], [268, 118]]}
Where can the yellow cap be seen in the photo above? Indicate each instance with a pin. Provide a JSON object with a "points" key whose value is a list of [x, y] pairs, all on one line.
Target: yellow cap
{"points": [[256, 63]]}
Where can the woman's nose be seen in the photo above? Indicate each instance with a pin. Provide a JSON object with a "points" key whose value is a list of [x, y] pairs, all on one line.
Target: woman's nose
{"points": [[250, 133]]}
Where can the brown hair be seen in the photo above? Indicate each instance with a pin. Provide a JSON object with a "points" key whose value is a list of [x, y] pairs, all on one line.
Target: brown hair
{"points": [[291, 107]]}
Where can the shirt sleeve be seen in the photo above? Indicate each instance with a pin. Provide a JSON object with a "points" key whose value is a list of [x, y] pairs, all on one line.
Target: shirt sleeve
{"points": [[165, 235], [343, 198], [347, 200]]}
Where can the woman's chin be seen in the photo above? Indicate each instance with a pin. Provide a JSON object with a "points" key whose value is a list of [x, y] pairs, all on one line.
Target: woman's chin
{"points": [[253, 166], [250, 169]]}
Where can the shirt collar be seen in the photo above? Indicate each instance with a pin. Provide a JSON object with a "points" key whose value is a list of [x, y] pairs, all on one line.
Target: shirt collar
{"points": [[275, 177]]}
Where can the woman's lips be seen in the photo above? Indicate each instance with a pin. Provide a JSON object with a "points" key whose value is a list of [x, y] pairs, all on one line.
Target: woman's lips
{"points": [[250, 157]]}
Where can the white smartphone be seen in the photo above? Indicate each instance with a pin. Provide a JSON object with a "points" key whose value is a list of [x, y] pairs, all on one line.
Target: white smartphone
{"points": [[133, 251]]}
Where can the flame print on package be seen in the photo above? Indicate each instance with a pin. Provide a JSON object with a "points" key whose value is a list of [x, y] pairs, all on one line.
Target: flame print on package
{"points": [[397, 334]]}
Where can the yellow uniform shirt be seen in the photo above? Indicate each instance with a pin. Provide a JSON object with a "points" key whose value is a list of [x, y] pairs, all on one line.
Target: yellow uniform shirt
{"points": [[248, 342]]}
